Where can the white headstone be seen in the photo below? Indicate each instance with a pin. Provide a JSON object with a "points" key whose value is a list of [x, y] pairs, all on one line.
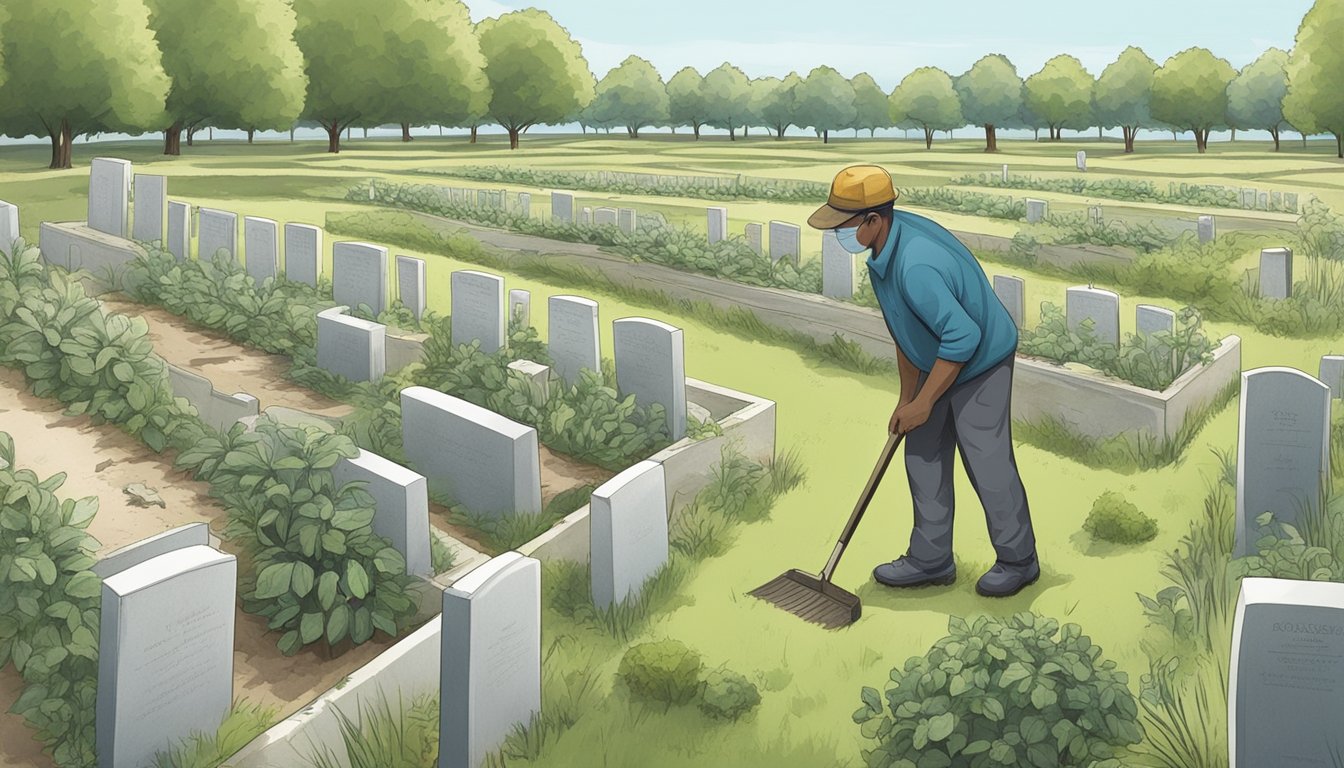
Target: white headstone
{"points": [[165, 654], [1094, 214], [651, 365], [1149, 319], [151, 195], [1099, 306], [1264, 201], [562, 206], [1276, 273], [718, 223], [401, 504], [524, 205], [479, 309], [628, 220], [359, 275], [520, 308], [218, 232], [261, 248], [1290, 201], [1208, 229], [837, 268], [785, 241], [482, 198], [351, 347], [1332, 374], [1247, 198], [179, 229], [303, 253], [1012, 291], [1283, 449], [1081, 160], [190, 535], [1037, 211], [481, 460], [627, 532], [572, 336], [109, 195], [9, 226], [411, 284], [490, 660], [604, 217], [586, 218], [753, 233], [1005, 174]]}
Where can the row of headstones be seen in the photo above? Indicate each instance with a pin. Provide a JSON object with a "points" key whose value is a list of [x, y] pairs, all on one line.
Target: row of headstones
{"points": [[1083, 303], [785, 238], [563, 209]]}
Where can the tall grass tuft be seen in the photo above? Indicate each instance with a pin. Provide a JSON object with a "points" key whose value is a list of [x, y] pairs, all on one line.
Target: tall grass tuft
{"points": [[379, 737], [245, 722]]}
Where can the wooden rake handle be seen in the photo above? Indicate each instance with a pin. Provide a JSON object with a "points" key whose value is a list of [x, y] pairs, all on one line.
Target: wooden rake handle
{"points": [[883, 461]]}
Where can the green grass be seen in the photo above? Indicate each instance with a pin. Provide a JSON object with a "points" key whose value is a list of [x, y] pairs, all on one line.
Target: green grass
{"points": [[380, 735], [245, 722]]}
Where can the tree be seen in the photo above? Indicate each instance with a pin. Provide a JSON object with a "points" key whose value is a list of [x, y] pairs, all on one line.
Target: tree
{"points": [[686, 101], [927, 100], [448, 82], [1255, 97], [634, 95], [1314, 102], [1190, 92], [1123, 94], [202, 44], [774, 102], [91, 67], [727, 95], [825, 102], [991, 94], [536, 70], [1060, 95], [870, 104]]}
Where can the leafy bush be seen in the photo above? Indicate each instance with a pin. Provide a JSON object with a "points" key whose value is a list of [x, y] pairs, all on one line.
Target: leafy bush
{"points": [[700, 187], [49, 608], [1134, 190], [973, 203], [1017, 691], [592, 422], [1115, 519], [665, 671], [726, 695], [1075, 228]]}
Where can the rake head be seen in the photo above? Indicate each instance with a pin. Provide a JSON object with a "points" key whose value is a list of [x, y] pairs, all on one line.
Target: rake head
{"points": [[810, 598]]}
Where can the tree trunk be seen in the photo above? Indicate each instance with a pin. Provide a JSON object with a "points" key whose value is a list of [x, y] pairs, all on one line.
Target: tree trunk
{"points": [[696, 127], [291, 135], [1275, 133], [1234, 134], [732, 133], [250, 132], [1339, 146], [64, 146], [991, 138], [191, 136], [473, 134], [513, 138], [1201, 139], [1036, 134], [928, 138], [825, 137], [1100, 134], [333, 136], [406, 132], [1130, 132], [172, 139], [55, 149]]}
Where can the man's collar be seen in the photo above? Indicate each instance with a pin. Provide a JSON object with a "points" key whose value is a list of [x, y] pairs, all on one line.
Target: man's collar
{"points": [[881, 263]]}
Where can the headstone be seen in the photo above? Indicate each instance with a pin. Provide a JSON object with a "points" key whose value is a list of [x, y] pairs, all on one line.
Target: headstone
{"points": [[537, 376], [1037, 211], [359, 275], [1264, 201], [165, 654], [1332, 374], [218, 232], [411, 284], [1004, 176], [1012, 291], [109, 195], [261, 244], [1283, 449], [351, 347], [1208, 229], [479, 459], [401, 505], [837, 268], [9, 226], [1081, 160], [604, 217], [562, 207], [1285, 681], [785, 241], [1094, 214], [586, 218], [190, 535], [628, 220], [520, 308], [478, 309], [525, 205], [1290, 201], [651, 365], [151, 196], [1276, 273], [627, 532], [490, 659], [718, 224], [1149, 319], [179, 229], [753, 233], [482, 198], [1247, 198], [303, 253], [572, 336], [1276, 200], [1099, 306]]}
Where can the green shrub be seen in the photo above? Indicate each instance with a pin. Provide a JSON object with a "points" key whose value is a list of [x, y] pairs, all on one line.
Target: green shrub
{"points": [[1133, 190], [959, 201], [665, 671], [1018, 691], [245, 722], [726, 695], [1116, 520], [699, 187]]}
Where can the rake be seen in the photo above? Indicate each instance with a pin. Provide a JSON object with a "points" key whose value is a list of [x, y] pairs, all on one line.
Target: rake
{"points": [[815, 598]]}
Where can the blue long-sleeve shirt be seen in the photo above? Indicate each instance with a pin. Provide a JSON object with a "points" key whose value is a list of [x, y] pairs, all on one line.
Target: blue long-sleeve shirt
{"points": [[937, 301]]}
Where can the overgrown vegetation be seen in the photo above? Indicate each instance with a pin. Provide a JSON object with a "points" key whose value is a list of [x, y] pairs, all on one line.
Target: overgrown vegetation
{"points": [[244, 723], [1132, 190], [664, 185], [1115, 519], [378, 737]]}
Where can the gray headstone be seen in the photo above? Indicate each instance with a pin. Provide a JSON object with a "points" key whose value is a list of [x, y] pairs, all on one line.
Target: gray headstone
{"points": [[1081, 160], [179, 229], [151, 197], [481, 460], [303, 253], [586, 218], [351, 347], [718, 223], [1276, 273], [359, 275], [1149, 319], [165, 654], [1004, 175], [538, 377], [604, 217], [1094, 214], [651, 365], [1264, 201], [1037, 211], [1285, 687], [109, 195], [1332, 374], [785, 241], [190, 535], [1101, 307], [1290, 201], [520, 308], [261, 248], [482, 198], [1247, 198], [401, 504], [1283, 448], [628, 220], [478, 310], [753, 233], [1276, 200], [562, 206], [218, 232], [411, 284], [9, 226], [572, 336], [627, 532], [490, 661], [1012, 291], [837, 268], [524, 205], [1208, 229]]}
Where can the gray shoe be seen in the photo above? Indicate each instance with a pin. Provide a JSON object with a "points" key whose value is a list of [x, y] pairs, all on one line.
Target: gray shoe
{"points": [[904, 572], [1007, 579]]}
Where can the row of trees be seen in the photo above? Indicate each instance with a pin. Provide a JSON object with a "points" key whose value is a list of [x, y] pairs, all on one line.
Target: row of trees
{"points": [[172, 66]]}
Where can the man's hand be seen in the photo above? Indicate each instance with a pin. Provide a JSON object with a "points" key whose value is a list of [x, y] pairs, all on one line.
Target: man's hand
{"points": [[909, 416]]}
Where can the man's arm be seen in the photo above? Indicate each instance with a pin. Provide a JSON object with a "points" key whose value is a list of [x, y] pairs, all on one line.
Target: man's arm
{"points": [[909, 386], [913, 414]]}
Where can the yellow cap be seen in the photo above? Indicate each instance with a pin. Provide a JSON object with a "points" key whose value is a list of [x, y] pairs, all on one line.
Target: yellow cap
{"points": [[856, 188]]}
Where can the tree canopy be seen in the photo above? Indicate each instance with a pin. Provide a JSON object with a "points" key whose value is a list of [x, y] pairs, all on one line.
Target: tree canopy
{"points": [[926, 99], [1123, 94], [1190, 92], [686, 103], [870, 104], [774, 99], [824, 101], [1255, 97], [1060, 95], [633, 95], [1314, 103], [727, 94], [991, 95], [537, 72]]}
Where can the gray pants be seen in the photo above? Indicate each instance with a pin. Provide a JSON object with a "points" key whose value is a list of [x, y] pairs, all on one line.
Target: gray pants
{"points": [[974, 416]]}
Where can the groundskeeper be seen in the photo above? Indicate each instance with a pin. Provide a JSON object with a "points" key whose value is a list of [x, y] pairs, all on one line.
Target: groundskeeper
{"points": [[955, 345]]}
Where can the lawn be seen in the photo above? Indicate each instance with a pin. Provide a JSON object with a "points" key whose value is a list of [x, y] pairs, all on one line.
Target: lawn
{"points": [[835, 419]]}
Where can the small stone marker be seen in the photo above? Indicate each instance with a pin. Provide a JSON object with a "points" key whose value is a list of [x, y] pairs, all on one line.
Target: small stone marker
{"points": [[1276, 273], [351, 347], [1012, 291], [1264, 201], [1094, 214], [1004, 176], [411, 284], [179, 229], [562, 206], [401, 504], [785, 241], [525, 205], [837, 268], [753, 234], [109, 195], [1208, 229], [478, 310], [261, 244], [1332, 374], [303, 253], [717, 219], [1276, 200], [1290, 201], [520, 309], [1099, 306], [151, 195], [604, 217], [1081, 160], [627, 532], [572, 336], [1149, 319], [9, 226], [1037, 211], [651, 365], [218, 232], [1247, 198], [359, 275], [628, 220]]}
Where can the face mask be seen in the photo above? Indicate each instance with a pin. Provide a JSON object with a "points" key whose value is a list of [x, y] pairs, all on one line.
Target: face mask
{"points": [[849, 240]]}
